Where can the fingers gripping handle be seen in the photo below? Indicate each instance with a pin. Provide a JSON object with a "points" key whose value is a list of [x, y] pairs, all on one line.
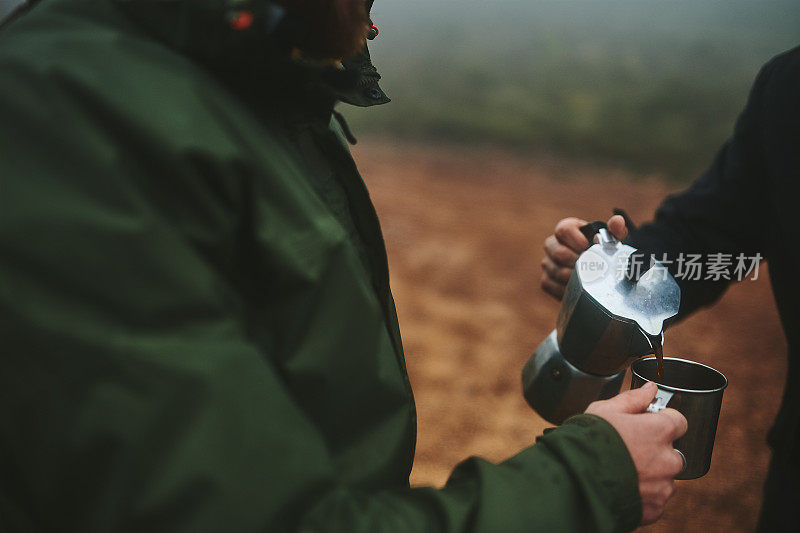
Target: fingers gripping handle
{"points": [[659, 403], [591, 229], [598, 228]]}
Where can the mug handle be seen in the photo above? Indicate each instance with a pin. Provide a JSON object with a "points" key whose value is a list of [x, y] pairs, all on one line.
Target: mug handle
{"points": [[659, 403]]}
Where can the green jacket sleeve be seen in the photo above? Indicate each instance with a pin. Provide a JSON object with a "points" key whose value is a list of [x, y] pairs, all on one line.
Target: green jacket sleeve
{"points": [[576, 478], [133, 396]]}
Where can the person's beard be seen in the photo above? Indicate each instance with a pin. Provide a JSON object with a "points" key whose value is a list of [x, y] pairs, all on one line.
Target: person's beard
{"points": [[334, 29]]}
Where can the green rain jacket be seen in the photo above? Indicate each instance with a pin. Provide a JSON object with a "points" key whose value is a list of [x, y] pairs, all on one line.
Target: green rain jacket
{"points": [[196, 328]]}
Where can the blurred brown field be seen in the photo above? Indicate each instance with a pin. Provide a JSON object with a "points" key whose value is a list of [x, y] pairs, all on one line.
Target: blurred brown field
{"points": [[463, 230]]}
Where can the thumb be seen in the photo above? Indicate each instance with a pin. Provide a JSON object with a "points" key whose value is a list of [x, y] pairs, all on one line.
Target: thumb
{"points": [[636, 400], [616, 225]]}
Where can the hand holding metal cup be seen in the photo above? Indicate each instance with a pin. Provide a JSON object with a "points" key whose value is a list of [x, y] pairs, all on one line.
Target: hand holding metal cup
{"points": [[649, 439], [695, 390]]}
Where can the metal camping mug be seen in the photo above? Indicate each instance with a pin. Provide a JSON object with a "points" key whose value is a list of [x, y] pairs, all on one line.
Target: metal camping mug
{"points": [[695, 391]]}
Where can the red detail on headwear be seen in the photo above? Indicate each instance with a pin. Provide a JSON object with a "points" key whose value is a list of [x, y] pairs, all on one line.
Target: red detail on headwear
{"points": [[242, 20]]}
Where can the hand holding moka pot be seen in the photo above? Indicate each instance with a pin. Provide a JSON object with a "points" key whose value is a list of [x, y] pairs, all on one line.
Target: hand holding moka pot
{"points": [[606, 320]]}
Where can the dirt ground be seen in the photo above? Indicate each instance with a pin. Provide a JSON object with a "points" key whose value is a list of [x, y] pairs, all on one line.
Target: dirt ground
{"points": [[464, 230]]}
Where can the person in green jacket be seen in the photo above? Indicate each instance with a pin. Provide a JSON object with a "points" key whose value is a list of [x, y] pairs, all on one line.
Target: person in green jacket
{"points": [[197, 329]]}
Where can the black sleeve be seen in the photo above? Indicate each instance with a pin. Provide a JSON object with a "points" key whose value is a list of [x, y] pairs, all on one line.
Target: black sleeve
{"points": [[717, 214]]}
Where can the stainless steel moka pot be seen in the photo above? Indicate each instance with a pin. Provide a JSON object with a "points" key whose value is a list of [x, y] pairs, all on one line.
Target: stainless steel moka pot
{"points": [[607, 318]]}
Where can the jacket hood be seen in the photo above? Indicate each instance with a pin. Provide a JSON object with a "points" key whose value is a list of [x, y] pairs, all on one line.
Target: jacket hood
{"points": [[253, 39]]}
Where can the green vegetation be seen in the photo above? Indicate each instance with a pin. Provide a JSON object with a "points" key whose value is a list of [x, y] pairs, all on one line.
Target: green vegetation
{"points": [[654, 85]]}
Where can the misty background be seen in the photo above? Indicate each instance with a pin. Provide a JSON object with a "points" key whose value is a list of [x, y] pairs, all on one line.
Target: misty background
{"points": [[650, 85]]}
